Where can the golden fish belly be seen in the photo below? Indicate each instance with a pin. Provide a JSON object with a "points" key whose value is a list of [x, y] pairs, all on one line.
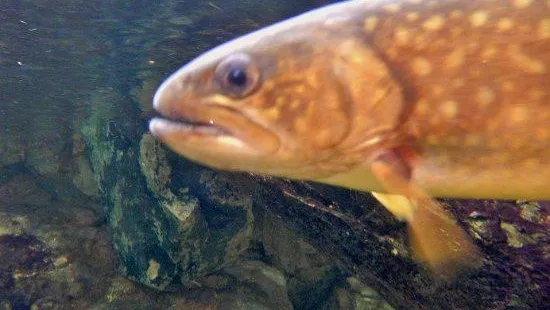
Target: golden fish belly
{"points": [[470, 173]]}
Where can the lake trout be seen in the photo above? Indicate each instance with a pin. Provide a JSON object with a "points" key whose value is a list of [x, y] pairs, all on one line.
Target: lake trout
{"points": [[407, 99]]}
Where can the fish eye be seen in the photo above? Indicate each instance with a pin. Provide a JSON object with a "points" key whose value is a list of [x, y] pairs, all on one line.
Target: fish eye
{"points": [[237, 76]]}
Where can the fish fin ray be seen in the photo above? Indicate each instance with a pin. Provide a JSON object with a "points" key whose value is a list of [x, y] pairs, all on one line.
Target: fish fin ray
{"points": [[398, 205], [435, 238]]}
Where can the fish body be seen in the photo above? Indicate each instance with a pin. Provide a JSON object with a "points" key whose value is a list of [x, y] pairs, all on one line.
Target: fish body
{"points": [[410, 99]]}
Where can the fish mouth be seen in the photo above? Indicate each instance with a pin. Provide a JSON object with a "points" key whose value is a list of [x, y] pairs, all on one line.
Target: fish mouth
{"points": [[182, 123], [211, 133]]}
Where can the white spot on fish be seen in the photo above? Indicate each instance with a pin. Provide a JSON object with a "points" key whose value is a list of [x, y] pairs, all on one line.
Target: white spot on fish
{"points": [[412, 16], [505, 24], [402, 36], [421, 66], [455, 59], [434, 23], [485, 96], [488, 51], [370, 23], [544, 29], [479, 18], [524, 61], [449, 109], [522, 4], [518, 114], [392, 7]]}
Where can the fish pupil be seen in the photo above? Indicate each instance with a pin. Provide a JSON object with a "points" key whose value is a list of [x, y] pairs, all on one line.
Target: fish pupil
{"points": [[237, 77]]}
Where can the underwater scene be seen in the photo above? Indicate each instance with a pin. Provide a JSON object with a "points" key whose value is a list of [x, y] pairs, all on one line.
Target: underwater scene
{"points": [[235, 154]]}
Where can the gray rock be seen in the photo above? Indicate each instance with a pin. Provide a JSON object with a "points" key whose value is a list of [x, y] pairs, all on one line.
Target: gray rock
{"points": [[52, 252]]}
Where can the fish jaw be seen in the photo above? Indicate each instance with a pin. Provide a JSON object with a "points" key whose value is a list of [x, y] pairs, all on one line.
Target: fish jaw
{"points": [[199, 143]]}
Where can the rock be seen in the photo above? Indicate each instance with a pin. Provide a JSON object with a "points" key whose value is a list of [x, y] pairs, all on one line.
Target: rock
{"points": [[21, 256], [329, 218], [354, 295], [309, 271], [52, 253], [12, 146], [23, 189], [365, 298], [166, 232], [49, 145], [83, 178], [259, 286]]}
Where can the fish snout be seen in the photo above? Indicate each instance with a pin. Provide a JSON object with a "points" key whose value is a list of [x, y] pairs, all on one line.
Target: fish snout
{"points": [[171, 94]]}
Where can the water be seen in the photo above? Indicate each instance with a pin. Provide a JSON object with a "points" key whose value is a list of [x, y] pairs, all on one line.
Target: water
{"points": [[96, 214]]}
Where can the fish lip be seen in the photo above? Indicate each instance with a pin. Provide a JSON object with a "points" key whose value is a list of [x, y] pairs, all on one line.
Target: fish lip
{"points": [[212, 120], [186, 126], [203, 117], [187, 123]]}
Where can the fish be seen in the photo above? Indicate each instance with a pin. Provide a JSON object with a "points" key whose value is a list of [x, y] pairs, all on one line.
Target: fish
{"points": [[411, 100]]}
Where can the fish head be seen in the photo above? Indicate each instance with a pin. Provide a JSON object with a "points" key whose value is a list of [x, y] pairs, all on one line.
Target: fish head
{"points": [[285, 100]]}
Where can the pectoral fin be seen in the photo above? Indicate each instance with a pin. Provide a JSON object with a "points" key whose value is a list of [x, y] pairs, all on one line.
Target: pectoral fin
{"points": [[435, 238], [399, 205]]}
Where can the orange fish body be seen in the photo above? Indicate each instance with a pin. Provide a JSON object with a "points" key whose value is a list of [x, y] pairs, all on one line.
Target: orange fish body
{"points": [[409, 99]]}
